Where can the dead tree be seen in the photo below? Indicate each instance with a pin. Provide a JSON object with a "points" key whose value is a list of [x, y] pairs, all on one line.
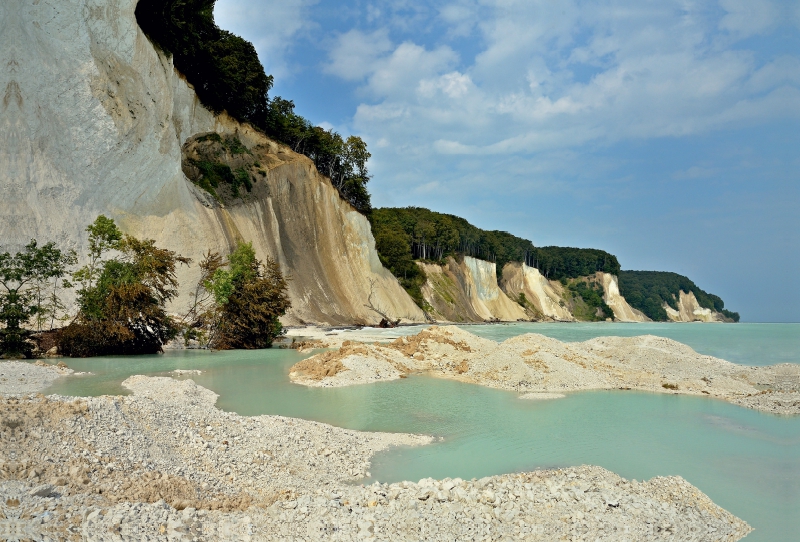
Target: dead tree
{"points": [[386, 320]]}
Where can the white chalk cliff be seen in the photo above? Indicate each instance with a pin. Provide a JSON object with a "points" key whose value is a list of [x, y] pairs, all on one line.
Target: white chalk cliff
{"points": [[689, 310], [467, 291], [623, 312], [92, 119], [545, 301]]}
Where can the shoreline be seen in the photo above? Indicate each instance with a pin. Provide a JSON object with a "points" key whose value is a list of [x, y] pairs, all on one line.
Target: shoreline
{"points": [[166, 461], [533, 363]]}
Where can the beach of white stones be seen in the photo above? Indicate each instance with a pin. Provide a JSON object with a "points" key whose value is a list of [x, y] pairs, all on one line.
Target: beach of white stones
{"points": [[165, 463]]}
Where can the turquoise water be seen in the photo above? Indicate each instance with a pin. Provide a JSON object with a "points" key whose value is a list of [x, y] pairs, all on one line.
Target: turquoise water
{"points": [[751, 344], [746, 461]]}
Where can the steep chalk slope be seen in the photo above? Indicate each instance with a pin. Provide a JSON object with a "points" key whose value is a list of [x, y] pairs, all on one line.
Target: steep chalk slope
{"points": [[544, 300], [92, 120], [623, 312], [487, 298], [467, 291], [446, 294], [689, 310]]}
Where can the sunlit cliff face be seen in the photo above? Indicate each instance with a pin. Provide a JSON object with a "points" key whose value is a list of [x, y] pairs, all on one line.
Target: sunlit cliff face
{"points": [[93, 120]]}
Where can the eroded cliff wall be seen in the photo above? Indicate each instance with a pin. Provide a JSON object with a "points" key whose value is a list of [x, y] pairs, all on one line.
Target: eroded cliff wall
{"points": [[623, 312], [467, 291], [541, 295], [689, 310], [92, 121]]}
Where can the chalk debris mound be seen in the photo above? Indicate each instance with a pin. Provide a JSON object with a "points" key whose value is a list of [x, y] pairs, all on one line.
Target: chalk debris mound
{"points": [[533, 363], [165, 463]]}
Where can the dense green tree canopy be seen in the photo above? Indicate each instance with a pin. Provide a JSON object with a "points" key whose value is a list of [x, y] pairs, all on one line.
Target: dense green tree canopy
{"points": [[227, 75], [433, 236], [249, 298], [121, 300], [648, 291]]}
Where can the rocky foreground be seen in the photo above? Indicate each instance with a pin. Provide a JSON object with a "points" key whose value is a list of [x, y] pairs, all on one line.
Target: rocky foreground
{"points": [[533, 363], [166, 464]]}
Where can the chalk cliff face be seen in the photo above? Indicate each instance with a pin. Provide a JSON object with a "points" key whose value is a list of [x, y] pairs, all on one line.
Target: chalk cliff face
{"points": [[689, 310], [623, 312], [92, 120], [467, 291], [540, 293]]}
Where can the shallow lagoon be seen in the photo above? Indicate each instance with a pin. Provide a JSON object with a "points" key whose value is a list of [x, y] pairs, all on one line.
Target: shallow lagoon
{"points": [[746, 461]]}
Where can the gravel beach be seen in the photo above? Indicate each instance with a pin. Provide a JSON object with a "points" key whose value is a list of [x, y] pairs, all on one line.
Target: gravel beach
{"points": [[534, 363], [165, 464]]}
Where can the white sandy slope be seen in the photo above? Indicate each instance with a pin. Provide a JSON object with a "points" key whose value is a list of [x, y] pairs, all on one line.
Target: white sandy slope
{"points": [[623, 312], [466, 290], [689, 310]]}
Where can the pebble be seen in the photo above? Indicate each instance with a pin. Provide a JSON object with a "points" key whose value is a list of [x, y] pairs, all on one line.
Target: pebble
{"points": [[154, 466]]}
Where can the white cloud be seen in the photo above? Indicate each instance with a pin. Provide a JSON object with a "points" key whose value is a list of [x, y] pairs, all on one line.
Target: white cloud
{"points": [[560, 75], [355, 53], [399, 73], [461, 17], [749, 17], [270, 25], [453, 85]]}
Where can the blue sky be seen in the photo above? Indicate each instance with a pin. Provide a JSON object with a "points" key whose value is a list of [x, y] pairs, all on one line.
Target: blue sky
{"points": [[666, 132]]}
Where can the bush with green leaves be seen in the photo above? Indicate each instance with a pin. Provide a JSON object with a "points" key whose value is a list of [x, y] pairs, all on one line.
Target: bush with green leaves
{"points": [[24, 277], [124, 288], [591, 294], [249, 297]]}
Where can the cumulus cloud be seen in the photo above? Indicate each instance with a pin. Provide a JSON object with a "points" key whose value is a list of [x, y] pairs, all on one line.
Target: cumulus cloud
{"points": [[355, 53], [392, 71], [552, 75]]}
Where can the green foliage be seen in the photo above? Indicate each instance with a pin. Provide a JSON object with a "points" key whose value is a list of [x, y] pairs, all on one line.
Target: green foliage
{"points": [[343, 161], [249, 299], [236, 146], [240, 269], [242, 178], [569, 262], [730, 314], [121, 301], [394, 249], [211, 136], [591, 294], [21, 277], [648, 291], [213, 175], [103, 237], [223, 68], [434, 236], [227, 76]]}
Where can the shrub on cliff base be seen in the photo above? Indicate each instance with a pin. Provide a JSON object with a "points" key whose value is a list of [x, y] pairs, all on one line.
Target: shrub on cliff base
{"points": [[121, 300], [23, 277], [249, 296]]}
